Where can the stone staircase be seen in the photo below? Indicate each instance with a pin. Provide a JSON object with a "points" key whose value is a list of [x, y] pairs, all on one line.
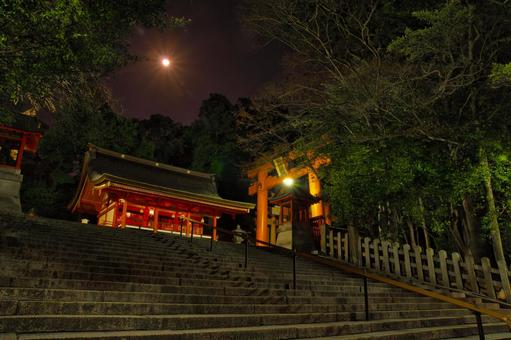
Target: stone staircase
{"points": [[64, 280]]}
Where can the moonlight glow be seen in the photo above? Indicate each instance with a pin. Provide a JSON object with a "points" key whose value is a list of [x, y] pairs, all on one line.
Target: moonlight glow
{"points": [[165, 62]]}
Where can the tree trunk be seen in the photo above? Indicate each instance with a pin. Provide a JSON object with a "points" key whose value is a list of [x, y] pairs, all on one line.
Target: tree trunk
{"points": [[498, 249], [472, 228], [411, 228], [423, 224]]}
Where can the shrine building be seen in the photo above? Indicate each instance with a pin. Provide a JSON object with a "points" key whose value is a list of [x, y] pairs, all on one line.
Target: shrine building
{"points": [[126, 191]]}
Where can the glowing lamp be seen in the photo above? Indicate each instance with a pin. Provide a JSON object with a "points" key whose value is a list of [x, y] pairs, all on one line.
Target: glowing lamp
{"points": [[288, 181]]}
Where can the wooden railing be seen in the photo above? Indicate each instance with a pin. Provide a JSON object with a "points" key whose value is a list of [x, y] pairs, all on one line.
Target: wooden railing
{"points": [[413, 264]]}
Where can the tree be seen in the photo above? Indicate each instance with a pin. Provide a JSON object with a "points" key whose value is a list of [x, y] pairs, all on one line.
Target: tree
{"points": [[51, 181], [432, 86], [459, 67], [51, 50], [214, 144], [171, 141]]}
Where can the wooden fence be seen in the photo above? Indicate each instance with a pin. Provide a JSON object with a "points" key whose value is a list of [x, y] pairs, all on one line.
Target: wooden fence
{"points": [[403, 261]]}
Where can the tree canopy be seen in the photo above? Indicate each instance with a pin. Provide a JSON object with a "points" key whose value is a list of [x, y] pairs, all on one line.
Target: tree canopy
{"points": [[410, 101], [53, 50]]}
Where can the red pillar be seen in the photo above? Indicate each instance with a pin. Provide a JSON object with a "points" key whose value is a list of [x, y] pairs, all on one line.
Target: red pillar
{"points": [[215, 236], [20, 152], [124, 212], [188, 224], [116, 213], [315, 190], [145, 221], [155, 220], [262, 207]]}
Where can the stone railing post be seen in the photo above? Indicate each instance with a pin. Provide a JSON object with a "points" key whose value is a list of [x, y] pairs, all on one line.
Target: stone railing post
{"points": [[430, 257], [457, 271], [331, 242], [442, 256], [395, 253], [406, 255], [376, 252], [359, 247], [347, 247], [471, 273], [323, 238], [504, 279], [418, 263], [367, 252], [488, 280], [339, 250], [385, 253], [352, 241]]}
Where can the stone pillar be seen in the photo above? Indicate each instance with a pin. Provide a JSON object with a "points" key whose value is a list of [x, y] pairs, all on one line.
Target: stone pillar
{"points": [[10, 184], [353, 244]]}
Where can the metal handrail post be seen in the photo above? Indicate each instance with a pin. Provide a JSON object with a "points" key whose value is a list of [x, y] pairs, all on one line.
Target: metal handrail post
{"points": [[294, 269], [246, 253], [479, 325], [211, 241], [181, 225], [191, 236], [366, 299]]}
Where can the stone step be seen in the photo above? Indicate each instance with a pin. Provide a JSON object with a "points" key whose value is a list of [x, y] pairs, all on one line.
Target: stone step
{"points": [[146, 287], [137, 257], [31, 288], [459, 331], [216, 282], [176, 269], [151, 245], [69, 279], [134, 260], [117, 308], [301, 331], [104, 274], [494, 336], [21, 294], [50, 254]]}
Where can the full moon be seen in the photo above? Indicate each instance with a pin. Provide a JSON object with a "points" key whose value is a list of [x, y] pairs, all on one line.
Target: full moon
{"points": [[165, 62]]}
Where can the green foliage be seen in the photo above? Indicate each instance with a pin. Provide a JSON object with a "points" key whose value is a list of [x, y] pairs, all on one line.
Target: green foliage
{"points": [[50, 181], [170, 139], [51, 50], [501, 74], [405, 108], [425, 43], [214, 145]]}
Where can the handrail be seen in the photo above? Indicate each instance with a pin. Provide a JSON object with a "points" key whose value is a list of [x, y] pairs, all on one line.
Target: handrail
{"points": [[418, 290], [472, 294], [412, 277], [478, 311]]}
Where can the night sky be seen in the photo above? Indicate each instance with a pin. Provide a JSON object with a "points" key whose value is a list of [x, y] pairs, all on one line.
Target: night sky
{"points": [[214, 54]]}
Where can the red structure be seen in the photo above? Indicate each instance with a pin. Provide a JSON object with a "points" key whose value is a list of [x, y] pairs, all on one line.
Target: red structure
{"points": [[13, 143], [123, 190], [23, 136]]}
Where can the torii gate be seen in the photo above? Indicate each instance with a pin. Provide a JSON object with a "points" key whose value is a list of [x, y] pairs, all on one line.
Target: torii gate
{"points": [[265, 183]]}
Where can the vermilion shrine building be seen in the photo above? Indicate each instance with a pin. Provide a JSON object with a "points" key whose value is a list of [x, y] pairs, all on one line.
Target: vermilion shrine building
{"points": [[123, 190]]}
